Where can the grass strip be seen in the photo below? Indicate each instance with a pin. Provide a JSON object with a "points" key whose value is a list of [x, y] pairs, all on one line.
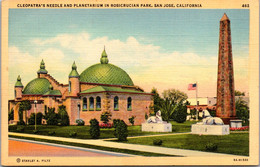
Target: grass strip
{"points": [[234, 143], [126, 151]]}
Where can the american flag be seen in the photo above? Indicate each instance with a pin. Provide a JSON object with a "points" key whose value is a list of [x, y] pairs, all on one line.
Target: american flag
{"points": [[192, 86]]}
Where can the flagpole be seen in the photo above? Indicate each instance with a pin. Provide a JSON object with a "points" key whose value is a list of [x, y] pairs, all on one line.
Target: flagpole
{"points": [[196, 101]]}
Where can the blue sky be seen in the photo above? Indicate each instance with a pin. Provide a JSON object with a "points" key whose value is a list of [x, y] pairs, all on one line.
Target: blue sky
{"points": [[173, 30], [145, 34]]}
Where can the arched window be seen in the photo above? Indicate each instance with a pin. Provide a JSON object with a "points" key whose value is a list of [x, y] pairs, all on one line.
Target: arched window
{"points": [[69, 86], [14, 93], [85, 103], [129, 104], [98, 103], [116, 103], [91, 103]]}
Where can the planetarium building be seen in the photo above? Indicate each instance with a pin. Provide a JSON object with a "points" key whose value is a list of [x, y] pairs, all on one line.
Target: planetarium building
{"points": [[102, 87]]}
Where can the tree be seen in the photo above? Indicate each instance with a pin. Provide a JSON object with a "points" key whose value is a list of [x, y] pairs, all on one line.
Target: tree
{"points": [[156, 100], [242, 110], [121, 131], [238, 93], [51, 117], [63, 117], [167, 108], [105, 117], [173, 100], [31, 120], [180, 114], [25, 106], [20, 114], [193, 113], [212, 112], [11, 115], [94, 129], [175, 95], [132, 120]]}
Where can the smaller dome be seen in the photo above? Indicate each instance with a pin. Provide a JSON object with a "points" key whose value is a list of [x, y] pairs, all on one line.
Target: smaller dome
{"points": [[37, 86], [42, 69], [104, 59], [18, 82], [74, 72]]}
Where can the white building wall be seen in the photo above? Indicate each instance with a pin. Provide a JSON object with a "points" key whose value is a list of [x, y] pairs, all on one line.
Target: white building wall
{"points": [[203, 101]]}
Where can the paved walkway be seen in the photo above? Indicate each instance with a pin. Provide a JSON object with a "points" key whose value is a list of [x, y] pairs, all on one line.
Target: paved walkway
{"points": [[136, 147], [166, 134]]}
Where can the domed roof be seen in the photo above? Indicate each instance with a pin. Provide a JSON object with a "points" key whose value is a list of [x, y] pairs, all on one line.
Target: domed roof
{"points": [[18, 82], [105, 73], [37, 86]]}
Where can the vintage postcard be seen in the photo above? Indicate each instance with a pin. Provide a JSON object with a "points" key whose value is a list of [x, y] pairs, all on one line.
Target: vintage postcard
{"points": [[164, 82]]}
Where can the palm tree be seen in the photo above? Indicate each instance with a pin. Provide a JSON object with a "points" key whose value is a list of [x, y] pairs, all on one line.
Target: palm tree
{"points": [[242, 110], [25, 106], [167, 108]]}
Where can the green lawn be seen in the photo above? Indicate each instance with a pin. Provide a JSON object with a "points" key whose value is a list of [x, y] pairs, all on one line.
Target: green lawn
{"points": [[83, 131], [235, 143], [126, 151], [182, 127]]}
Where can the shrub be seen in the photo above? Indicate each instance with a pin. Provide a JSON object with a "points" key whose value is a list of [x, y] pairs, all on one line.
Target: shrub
{"points": [[212, 112], [21, 122], [73, 134], [80, 122], [121, 131], [193, 113], [51, 117], [63, 117], [35, 131], [146, 116], [115, 122], [132, 120], [31, 120], [105, 117], [180, 114], [211, 147], [94, 129], [20, 129], [51, 133], [20, 115], [157, 142], [11, 115]]}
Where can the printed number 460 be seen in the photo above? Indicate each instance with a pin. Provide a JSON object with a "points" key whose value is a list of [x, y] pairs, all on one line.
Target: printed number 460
{"points": [[245, 5]]}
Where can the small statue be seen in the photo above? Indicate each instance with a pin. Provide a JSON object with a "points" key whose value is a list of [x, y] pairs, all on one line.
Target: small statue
{"points": [[155, 119], [211, 121]]}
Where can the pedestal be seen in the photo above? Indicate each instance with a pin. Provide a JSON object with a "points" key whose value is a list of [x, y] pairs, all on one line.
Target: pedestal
{"points": [[236, 123], [156, 127], [210, 129]]}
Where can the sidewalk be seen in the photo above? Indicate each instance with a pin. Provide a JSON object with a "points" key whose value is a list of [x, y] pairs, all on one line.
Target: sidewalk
{"points": [[135, 147], [166, 134]]}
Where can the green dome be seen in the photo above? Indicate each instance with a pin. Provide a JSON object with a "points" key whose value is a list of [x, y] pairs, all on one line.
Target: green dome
{"points": [[18, 82], [74, 72], [105, 73], [37, 86]]}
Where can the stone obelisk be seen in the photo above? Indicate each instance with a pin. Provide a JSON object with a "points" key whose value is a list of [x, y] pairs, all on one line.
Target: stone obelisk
{"points": [[225, 84]]}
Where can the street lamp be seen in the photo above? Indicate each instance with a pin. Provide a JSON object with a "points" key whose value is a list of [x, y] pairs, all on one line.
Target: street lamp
{"points": [[35, 102], [197, 113]]}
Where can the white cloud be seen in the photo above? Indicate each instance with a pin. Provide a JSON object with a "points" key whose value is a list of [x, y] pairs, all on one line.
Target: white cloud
{"points": [[147, 65]]}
